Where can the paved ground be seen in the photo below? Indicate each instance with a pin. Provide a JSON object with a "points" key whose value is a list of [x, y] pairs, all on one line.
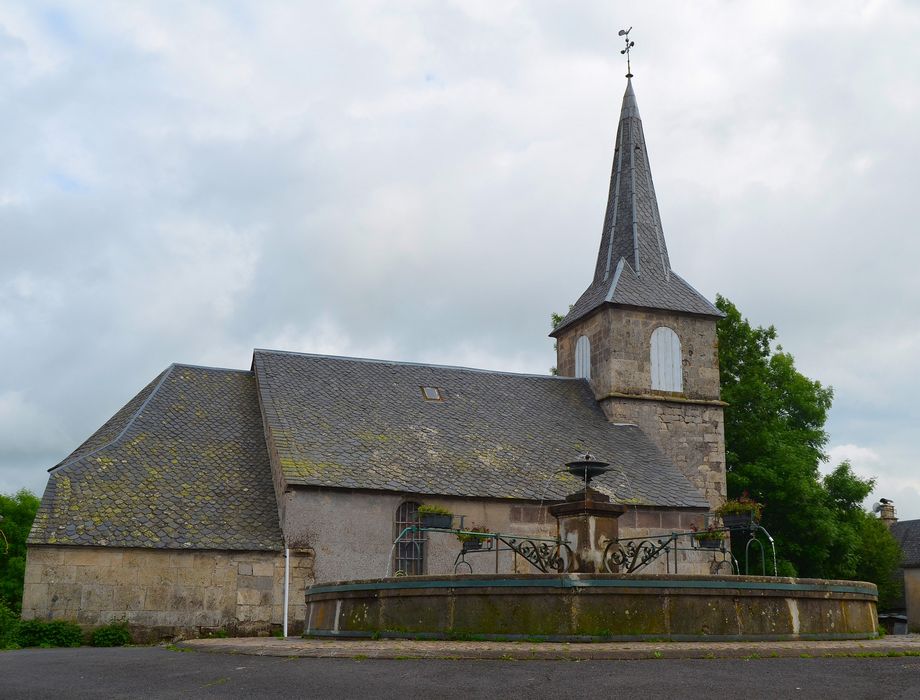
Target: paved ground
{"points": [[157, 672], [406, 649]]}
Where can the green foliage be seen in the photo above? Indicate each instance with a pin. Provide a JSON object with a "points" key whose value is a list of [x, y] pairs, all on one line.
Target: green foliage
{"points": [[18, 512], [59, 633], [433, 510], [9, 627], [468, 536], [774, 438], [710, 534], [116, 634]]}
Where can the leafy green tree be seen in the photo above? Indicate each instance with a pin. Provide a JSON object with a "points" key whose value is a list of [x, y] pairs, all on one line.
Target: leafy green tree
{"points": [[18, 512], [775, 439]]}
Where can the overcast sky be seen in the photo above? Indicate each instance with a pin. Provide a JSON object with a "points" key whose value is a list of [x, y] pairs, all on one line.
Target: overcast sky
{"points": [[426, 181]]}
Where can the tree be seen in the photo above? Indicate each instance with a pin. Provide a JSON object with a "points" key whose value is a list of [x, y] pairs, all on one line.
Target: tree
{"points": [[775, 437], [18, 512]]}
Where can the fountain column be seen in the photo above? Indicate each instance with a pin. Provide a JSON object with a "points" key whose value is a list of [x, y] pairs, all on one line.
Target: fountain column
{"points": [[587, 520]]}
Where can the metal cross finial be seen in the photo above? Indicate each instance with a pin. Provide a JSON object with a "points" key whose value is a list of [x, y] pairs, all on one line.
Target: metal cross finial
{"points": [[629, 45]]}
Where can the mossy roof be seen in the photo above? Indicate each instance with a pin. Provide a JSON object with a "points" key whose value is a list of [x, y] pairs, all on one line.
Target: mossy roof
{"points": [[351, 423], [183, 465]]}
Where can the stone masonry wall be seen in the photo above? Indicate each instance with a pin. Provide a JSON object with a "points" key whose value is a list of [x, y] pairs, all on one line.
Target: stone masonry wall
{"points": [[692, 436], [689, 426], [620, 351], [164, 594]]}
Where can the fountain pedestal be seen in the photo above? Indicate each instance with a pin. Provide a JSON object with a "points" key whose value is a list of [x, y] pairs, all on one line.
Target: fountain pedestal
{"points": [[587, 520]]}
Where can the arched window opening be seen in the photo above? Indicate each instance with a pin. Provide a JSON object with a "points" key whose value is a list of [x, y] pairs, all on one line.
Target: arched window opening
{"points": [[667, 370], [583, 358], [410, 550]]}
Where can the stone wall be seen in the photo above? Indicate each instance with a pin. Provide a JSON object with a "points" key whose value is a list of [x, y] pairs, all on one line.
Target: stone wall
{"points": [[687, 426], [352, 533], [621, 345], [163, 593], [912, 598], [691, 435]]}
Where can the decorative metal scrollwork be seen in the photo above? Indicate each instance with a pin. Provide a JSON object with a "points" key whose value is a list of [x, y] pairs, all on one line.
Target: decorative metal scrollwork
{"points": [[545, 556], [628, 556]]}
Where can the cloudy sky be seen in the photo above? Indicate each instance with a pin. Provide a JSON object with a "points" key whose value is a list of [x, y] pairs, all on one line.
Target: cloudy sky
{"points": [[426, 181]]}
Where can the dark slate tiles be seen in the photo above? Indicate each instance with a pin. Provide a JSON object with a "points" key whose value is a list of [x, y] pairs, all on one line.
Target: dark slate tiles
{"points": [[343, 422], [188, 469], [907, 533], [633, 236]]}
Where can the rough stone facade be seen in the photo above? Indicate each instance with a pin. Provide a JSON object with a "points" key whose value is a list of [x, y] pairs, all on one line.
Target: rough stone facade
{"points": [[164, 594], [687, 426]]}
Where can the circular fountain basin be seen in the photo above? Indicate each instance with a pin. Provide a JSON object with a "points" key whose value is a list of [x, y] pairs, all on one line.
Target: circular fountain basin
{"points": [[593, 607]]}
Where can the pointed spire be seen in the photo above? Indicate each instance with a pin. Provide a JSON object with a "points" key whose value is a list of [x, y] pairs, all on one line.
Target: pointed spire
{"points": [[633, 267], [632, 225]]}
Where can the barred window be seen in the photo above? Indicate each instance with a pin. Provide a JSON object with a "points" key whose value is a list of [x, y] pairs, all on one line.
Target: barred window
{"points": [[410, 550]]}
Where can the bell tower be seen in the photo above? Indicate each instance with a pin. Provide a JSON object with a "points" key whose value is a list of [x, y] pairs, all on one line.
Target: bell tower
{"points": [[640, 334]]}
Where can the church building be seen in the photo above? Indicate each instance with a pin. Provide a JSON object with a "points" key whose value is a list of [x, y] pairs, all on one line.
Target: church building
{"points": [[195, 504]]}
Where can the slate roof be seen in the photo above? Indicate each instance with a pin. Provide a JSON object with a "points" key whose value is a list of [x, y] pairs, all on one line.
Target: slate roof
{"points": [[633, 268], [182, 465], [352, 423], [907, 533]]}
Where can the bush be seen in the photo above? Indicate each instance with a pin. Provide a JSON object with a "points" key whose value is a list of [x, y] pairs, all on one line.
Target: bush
{"points": [[115, 635], [59, 633], [9, 627]]}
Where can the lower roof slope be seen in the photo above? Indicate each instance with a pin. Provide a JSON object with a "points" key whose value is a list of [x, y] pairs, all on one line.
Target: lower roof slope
{"points": [[351, 423], [183, 465]]}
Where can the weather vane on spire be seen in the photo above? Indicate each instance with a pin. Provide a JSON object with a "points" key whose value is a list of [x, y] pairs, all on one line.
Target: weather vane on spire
{"points": [[629, 45]]}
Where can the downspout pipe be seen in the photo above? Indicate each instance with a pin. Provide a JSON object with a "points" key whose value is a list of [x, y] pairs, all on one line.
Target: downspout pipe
{"points": [[287, 588]]}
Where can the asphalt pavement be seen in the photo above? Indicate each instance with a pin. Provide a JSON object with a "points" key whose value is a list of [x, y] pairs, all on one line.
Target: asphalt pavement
{"points": [[158, 672]]}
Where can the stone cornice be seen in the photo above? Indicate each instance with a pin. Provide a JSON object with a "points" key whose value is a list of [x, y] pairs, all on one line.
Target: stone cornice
{"points": [[668, 398]]}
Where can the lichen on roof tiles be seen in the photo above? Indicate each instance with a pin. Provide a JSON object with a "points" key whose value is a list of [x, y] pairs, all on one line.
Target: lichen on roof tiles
{"points": [[354, 423], [182, 465]]}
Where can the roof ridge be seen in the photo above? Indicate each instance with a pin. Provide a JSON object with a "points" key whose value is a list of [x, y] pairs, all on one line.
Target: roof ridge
{"points": [[411, 364], [210, 368], [124, 430]]}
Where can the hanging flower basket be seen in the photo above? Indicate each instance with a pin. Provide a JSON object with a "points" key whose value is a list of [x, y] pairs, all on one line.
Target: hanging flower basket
{"points": [[711, 538], [738, 521], [435, 517], [471, 540], [740, 513]]}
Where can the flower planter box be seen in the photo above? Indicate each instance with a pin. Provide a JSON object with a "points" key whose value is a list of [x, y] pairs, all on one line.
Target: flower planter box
{"points": [[471, 545], [710, 544], [436, 520], [738, 521]]}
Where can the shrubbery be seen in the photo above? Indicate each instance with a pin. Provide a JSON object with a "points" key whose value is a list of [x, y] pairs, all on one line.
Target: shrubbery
{"points": [[58, 633], [9, 627], [115, 635]]}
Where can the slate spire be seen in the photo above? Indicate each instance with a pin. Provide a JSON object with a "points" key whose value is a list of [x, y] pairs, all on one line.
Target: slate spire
{"points": [[633, 267], [632, 224]]}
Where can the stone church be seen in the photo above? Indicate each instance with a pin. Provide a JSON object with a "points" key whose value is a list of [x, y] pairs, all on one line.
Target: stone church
{"points": [[191, 507]]}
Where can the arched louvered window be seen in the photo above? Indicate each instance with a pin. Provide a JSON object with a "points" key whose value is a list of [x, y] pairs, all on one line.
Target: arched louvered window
{"points": [[583, 358], [667, 371], [410, 550]]}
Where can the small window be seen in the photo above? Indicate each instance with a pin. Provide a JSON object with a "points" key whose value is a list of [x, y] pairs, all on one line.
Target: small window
{"points": [[583, 358], [667, 371], [432, 393], [410, 550]]}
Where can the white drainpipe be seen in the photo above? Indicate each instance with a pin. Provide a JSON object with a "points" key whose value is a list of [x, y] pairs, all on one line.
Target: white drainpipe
{"points": [[287, 586]]}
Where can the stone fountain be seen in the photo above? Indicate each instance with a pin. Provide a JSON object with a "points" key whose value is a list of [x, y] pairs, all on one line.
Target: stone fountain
{"points": [[584, 602]]}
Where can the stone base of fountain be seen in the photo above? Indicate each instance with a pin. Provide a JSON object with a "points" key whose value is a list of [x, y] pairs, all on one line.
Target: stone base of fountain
{"points": [[593, 607]]}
